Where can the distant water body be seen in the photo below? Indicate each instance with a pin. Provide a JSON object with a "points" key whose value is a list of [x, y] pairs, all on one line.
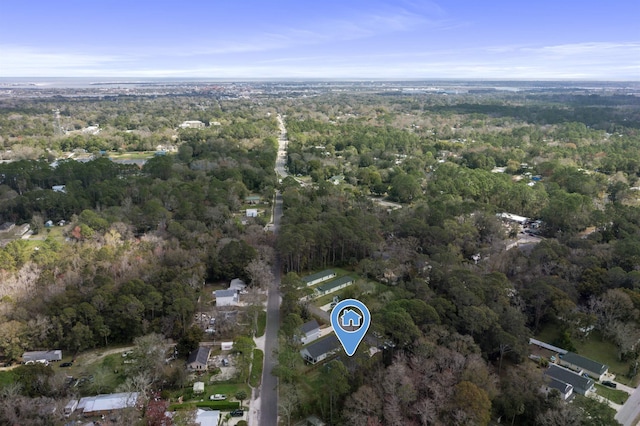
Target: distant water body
{"points": [[89, 82], [137, 82]]}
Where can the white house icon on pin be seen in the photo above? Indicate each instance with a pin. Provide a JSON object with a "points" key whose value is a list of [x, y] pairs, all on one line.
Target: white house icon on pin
{"points": [[351, 318]]}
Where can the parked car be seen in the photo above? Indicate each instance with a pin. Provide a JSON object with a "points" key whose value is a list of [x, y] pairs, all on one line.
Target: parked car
{"points": [[610, 384], [237, 413], [218, 397], [66, 364]]}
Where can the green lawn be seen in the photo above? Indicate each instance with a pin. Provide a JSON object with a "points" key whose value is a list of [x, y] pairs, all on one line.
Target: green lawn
{"points": [[595, 348], [606, 352], [131, 155], [262, 323], [256, 368], [614, 395], [6, 378], [229, 389]]}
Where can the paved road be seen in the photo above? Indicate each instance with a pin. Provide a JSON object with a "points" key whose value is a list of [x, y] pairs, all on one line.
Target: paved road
{"points": [[629, 414], [269, 388]]}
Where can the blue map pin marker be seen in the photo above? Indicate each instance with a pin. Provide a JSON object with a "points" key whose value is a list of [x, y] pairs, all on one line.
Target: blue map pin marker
{"points": [[350, 320]]}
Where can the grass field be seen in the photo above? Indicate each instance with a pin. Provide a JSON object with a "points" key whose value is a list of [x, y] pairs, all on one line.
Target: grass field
{"points": [[595, 348], [614, 395], [131, 155], [226, 388], [256, 368], [6, 378]]}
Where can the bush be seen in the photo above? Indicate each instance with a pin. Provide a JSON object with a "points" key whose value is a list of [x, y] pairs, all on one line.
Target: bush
{"points": [[216, 405], [219, 405], [242, 423]]}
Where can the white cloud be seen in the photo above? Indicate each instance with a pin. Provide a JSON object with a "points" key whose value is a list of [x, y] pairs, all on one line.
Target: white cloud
{"points": [[26, 61], [593, 60]]}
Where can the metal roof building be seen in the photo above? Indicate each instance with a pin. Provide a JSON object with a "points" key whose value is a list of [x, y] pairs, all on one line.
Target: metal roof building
{"points": [[102, 404], [54, 355]]}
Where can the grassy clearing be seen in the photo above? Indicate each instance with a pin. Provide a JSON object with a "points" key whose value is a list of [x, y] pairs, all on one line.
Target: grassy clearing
{"points": [[595, 348], [6, 378], [613, 395], [262, 323], [228, 389], [256, 368], [131, 155]]}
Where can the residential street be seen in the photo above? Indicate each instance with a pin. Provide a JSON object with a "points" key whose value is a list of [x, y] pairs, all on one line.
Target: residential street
{"points": [[630, 411], [268, 392]]}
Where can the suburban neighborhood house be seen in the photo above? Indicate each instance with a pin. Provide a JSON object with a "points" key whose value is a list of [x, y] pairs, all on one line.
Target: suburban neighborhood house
{"points": [[198, 360], [333, 286], [7, 226], [207, 417], [309, 331], [105, 404], [228, 297], [319, 277], [581, 364], [320, 349], [49, 356], [581, 385], [510, 217], [565, 389], [192, 124], [252, 199], [238, 285]]}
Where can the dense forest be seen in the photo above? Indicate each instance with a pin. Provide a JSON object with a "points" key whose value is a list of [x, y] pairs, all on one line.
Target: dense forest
{"points": [[456, 306], [402, 191]]}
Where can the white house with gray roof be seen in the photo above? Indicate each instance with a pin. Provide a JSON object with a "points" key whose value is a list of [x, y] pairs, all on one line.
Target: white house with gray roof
{"points": [[228, 297], [581, 385], [309, 331], [319, 277], [581, 364], [320, 349]]}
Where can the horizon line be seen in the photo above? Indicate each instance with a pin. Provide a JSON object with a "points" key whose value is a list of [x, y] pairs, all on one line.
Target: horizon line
{"points": [[298, 78]]}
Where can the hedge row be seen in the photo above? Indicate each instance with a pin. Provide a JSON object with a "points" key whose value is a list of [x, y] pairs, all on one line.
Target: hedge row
{"points": [[216, 405]]}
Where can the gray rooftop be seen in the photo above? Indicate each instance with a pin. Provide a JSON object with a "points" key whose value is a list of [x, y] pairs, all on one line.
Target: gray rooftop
{"points": [[568, 376], [226, 293], [557, 384], [53, 355], [334, 283], [308, 327], [110, 402], [318, 275], [584, 363], [322, 346], [200, 355]]}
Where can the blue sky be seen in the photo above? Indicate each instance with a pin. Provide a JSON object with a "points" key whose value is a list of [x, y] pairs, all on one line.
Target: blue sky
{"points": [[541, 39]]}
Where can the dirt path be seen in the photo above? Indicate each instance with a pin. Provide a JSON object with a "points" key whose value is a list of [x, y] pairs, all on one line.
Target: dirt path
{"points": [[88, 358]]}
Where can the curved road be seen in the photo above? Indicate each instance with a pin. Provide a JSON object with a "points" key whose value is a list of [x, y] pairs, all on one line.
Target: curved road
{"points": [[269, 388]]}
